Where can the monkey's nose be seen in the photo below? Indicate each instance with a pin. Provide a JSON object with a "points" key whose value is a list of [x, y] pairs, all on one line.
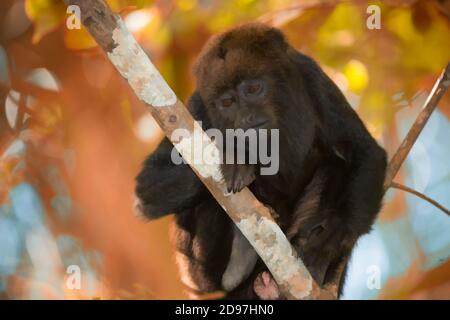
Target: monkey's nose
{"points": [[248, 119], [254, 121]]}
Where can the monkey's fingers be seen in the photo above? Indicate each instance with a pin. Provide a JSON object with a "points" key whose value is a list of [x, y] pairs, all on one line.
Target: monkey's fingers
{"points": [[243, 180]]}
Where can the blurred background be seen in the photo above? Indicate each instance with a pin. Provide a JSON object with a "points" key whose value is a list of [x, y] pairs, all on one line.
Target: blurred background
{"points": [[73, 137]]}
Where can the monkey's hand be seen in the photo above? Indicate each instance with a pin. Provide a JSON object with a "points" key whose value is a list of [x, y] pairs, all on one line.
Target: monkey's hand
{"points": [[238, 176]]}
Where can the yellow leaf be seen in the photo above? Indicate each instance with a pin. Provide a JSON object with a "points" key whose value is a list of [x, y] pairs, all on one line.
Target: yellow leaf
{"points": [[186, 5], [357, 75], [78, 39], [46, 16]]}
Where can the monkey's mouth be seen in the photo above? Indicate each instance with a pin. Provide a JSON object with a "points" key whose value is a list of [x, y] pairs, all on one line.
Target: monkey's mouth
{"points": [[261, 125]]}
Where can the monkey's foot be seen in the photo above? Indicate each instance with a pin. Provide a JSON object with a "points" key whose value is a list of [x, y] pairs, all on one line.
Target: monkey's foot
{"points": [[265, 287]]}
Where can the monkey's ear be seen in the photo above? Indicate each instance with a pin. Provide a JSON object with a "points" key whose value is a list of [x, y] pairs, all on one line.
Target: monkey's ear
{"points": [[277, 38]]}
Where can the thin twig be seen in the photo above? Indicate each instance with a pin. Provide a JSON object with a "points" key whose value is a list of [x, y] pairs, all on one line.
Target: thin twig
{"points": [[435, 96], [420, 195], [271, 16]]}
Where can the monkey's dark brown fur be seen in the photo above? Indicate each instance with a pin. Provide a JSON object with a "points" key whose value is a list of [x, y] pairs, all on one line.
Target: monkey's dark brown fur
{"points": [[327, 192]]}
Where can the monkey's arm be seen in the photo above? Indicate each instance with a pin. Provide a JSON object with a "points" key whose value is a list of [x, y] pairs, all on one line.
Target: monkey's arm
{"points": [[162, 187]]}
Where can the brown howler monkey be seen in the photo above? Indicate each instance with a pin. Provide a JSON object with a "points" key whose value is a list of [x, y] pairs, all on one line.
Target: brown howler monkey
{"points": [[328, 189]]}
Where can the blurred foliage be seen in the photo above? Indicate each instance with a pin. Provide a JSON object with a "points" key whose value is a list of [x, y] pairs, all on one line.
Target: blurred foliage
{"points": [[72, 135], [45, 14]]}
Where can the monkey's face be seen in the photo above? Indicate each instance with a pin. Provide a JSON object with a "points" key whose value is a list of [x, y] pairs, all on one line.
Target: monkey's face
{"points": [[239, 77], [246, 105]]}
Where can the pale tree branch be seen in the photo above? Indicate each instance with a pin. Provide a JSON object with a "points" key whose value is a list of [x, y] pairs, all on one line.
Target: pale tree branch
{"points": [[250, 216]]}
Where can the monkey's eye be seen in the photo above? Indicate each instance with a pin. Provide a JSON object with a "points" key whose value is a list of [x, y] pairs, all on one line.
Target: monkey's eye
{"points": [[253, 88], [227, 102]]}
